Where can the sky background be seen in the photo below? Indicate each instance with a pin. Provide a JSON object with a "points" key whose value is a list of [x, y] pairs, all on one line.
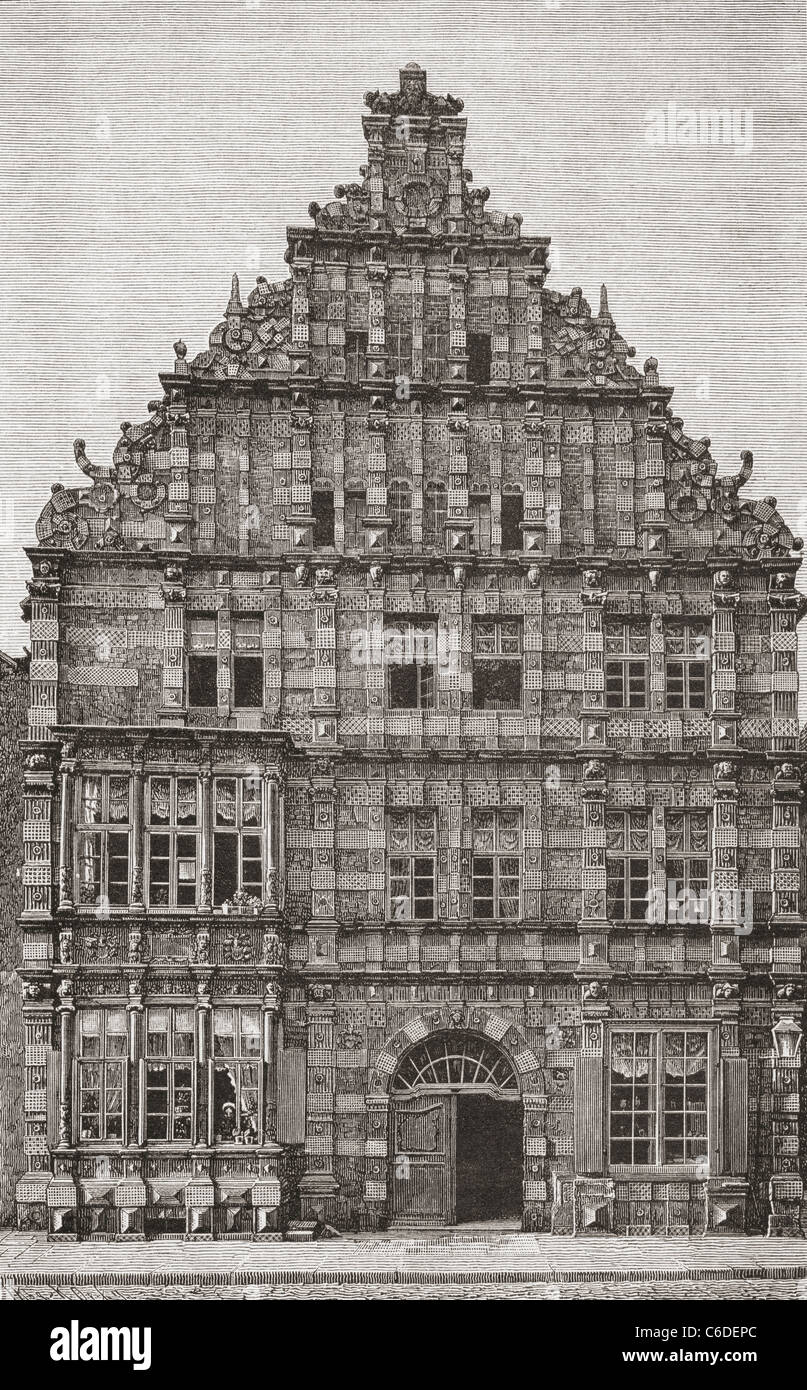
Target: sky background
{"points": [[148, 150]]}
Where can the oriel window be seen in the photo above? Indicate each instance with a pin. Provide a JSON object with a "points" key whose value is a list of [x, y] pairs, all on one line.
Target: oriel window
{"points": [[247, 630], [237, 839], [173, 841], [102, 840], [627, 656], [102, 1050], [496, 864], [169, 1073], [236, 1075], [412, 865]]}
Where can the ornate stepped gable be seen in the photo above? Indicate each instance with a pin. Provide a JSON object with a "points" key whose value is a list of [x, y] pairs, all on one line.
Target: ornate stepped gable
{"points": [[416, 216]]}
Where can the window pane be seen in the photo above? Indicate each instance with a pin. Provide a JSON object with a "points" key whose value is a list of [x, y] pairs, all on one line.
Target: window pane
{"points": [[248, 682]]}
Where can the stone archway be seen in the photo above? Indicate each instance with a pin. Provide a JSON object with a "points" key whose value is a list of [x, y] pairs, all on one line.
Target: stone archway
{"points": [[497, 1036]]}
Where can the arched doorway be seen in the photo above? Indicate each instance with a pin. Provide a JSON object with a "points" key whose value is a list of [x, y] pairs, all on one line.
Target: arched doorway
{"points": [[456, 1126]]}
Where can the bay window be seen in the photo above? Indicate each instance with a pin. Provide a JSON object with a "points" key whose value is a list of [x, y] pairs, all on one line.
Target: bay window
{"points": [[101, 1062], [102, 848], [173, 841], [237, 839], [169, 1073], [236, 1074]]}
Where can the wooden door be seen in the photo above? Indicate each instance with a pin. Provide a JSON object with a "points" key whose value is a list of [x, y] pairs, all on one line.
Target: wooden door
{"points": [[422, 1160]]}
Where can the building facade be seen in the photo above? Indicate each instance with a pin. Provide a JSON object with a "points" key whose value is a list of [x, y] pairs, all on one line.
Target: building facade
{"points": [[413, 783]]}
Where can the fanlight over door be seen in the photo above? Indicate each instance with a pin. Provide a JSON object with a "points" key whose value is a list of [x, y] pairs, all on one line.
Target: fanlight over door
{"points": [[455, 1059]]}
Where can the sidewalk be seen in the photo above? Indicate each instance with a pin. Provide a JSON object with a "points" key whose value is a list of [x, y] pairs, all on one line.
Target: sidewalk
{"points": [[430, 1258]]}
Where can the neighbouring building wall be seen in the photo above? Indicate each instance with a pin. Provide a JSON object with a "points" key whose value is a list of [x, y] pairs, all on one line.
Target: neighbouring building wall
{"points": [[13, 711]]}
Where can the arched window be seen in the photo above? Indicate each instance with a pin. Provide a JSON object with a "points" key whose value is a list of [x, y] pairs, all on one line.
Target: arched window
{"points": [[435, 514], [455, 1059], [399, 502]]}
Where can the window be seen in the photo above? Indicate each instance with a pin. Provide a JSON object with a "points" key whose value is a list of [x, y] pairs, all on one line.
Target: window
{"points": [[102, 857], [435, 342], [355, 356], [497, 664], [413, 850], [323, 513], [627, 650], [627, 854], [169, 1073], [658, 1102], [435, 514], [355, 512], [410, 653], [236, 1062], [237, 839], [173, 851], [512, 517], [399, 501], [479, 358], [101, 1072], [247, 661], [687, 841], [479, 512], [455, 1059], [496, 839], [202, 662], [399, 338], [687, 664]]}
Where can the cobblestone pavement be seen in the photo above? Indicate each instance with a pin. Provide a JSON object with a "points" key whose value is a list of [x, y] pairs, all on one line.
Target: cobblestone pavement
{"points": [[703, 1290]]}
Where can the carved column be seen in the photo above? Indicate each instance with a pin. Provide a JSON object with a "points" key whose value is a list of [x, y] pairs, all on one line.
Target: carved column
{"points": [[270, 1008], [31, 1192], [205, 840], [173, 675], [67, 769], [204, 1065], [136, 1065], [727, 908], [323, 701], [138, 784], [374, 1208], [271, 782], [319, 1188], [377, 521], [593, 926], [322, 926], [785, 841], [786, 1187], [65, 1011], [785, 606]]}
